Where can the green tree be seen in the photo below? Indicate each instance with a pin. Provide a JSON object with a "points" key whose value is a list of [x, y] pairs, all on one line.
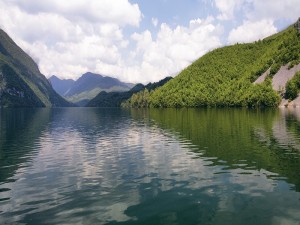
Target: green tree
{"points": [[293, 87]]}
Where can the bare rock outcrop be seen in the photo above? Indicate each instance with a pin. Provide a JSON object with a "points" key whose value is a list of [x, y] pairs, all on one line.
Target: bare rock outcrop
{"points": [[279, 81], [283, 76]]}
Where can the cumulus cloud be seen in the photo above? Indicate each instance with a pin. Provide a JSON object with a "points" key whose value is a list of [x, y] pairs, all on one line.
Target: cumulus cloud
{"points": [[174, 49], [251, 31], [120, 12], [256, 17], [273, 9], [227, 8], [171, 51], [258, 10]]}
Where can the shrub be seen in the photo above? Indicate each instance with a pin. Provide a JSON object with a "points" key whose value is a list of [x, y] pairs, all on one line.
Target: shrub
{"points": [[292, 87]]}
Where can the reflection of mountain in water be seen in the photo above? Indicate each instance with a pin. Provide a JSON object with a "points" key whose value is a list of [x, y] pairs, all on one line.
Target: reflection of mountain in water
{"points": [[20, 130], [238, 138]]}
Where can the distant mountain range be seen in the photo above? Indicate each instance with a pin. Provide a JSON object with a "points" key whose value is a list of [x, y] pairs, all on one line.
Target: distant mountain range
{"points": [[21, 82], [115, 99], [87, 87]]}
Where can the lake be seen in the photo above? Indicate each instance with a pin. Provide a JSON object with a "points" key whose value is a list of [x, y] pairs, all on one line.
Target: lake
{"points": [[171, 166]]}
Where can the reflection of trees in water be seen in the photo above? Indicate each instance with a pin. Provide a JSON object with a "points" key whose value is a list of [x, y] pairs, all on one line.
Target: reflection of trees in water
{"points": [[232, 199], [19, 131], [238, 138], [93, 176]]}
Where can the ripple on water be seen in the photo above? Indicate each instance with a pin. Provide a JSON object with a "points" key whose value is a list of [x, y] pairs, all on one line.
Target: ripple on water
{"points": [[99, 166]]}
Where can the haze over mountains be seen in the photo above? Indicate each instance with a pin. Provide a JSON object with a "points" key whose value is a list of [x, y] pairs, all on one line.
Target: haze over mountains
{"points": [[87, 87], [61, 86]]}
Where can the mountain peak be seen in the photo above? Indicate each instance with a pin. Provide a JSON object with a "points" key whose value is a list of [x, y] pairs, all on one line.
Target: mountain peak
{"points": [[90, 75], [53, 77], [87, 87]]}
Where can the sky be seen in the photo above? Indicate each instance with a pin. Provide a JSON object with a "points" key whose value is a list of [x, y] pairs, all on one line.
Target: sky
{"points": [[136, 40]]}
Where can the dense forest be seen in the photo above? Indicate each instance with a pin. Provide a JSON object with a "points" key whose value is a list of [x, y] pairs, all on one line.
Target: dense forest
{"points": [[224, 77]]}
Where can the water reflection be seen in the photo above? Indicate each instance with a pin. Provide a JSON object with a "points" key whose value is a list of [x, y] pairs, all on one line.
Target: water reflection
{"points": [[238, 138], [110, 166], [19, 133]]}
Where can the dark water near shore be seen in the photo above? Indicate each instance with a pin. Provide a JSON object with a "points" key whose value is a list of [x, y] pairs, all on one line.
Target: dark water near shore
{"points": [[112, 166]]}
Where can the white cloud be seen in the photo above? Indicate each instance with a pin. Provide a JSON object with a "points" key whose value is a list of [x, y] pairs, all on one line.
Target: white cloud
{"points": [[155, 22], [106, 11], [274, 9], [227, 8], [69, 39], [255, 10], [258, 17], [251, 31], [174, 49]]}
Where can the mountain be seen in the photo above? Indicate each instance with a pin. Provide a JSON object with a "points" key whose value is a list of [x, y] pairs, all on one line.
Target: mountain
{"points": [[115, 99], [87, 87], [61, 86], [225, 77], [21, 82]]}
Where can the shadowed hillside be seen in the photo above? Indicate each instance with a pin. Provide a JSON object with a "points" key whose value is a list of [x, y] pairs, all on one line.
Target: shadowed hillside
{"points": [[21, 82]]}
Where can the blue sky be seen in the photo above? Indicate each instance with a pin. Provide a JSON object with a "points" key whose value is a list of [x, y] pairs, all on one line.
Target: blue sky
{"points": [[136, 40]]}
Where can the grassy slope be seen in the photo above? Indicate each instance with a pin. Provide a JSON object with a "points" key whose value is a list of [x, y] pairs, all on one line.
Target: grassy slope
{"points": [[25, 76], [224, 76]]}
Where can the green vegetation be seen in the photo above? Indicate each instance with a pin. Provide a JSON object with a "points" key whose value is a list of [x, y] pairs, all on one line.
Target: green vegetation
{"points": [[138, 100], [293, 87], [16, 92], [118, 99], [225, 76], [243, 135], [86, 96]]}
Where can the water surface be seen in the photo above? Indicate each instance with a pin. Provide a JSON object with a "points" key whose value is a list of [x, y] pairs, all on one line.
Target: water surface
{"points": [[113, 166]]}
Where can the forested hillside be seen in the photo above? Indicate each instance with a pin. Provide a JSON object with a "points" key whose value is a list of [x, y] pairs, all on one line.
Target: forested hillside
{"points": [[224, 77]]}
